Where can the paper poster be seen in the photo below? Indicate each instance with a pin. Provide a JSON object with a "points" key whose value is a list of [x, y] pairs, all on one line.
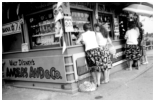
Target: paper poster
{"points": [[68, 24]]}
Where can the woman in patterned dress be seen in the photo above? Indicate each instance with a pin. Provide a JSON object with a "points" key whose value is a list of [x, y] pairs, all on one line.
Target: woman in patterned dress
{"points": [[132, 50], [103, 39], [88, 38]]}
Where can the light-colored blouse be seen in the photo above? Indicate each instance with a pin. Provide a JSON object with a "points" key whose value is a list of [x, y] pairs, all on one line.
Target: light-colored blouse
{"points": [[89, 39], [102, 41], [132, 36]]}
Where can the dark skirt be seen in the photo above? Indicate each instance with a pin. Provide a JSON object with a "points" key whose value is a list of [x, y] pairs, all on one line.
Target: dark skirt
{"points": [[98, 59], [132, 52]]}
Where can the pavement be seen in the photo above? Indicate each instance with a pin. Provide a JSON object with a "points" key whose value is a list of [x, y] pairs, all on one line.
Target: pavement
{"points": [[117, 79]]}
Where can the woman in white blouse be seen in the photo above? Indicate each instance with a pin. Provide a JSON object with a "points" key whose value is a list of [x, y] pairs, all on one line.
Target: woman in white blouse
{"points": [[103, 39], [132, 50]]}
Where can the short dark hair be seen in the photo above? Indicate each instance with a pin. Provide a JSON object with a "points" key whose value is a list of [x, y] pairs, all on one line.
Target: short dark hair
{"points": [[132, 25], [75, 26], [86, 26], [96, 25]]}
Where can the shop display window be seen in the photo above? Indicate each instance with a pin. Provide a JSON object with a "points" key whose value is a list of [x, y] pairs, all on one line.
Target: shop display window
{"points": [[79, 18], [122, 26], [41, 28], [12, 42]]}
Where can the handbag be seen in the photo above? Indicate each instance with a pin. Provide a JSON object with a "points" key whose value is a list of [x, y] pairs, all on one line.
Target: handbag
{"points": [[112, 49]]}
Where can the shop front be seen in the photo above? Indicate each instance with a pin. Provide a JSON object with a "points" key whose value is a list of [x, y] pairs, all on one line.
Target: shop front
{"points": [[34, 58]]}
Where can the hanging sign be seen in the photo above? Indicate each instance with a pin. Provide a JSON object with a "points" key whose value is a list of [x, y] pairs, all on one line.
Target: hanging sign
{"points": [[11, 28], [68, 24]]}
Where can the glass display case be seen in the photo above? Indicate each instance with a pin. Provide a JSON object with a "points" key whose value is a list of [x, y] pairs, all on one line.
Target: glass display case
{"points": [[42, 30]]}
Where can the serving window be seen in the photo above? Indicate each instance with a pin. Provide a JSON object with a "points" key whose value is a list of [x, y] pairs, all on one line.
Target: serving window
{"points": [[79, 18], [41, 27]]}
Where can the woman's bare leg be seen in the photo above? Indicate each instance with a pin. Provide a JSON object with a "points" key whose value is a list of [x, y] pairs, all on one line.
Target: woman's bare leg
{"points": [[105, 76], [94, 77], [98, 78], [108, 75], [130, 64]]}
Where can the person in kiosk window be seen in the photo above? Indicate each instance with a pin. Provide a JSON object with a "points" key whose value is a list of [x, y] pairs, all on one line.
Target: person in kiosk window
{"points": [[103, 39], [92, 53], [132, 50], [75, 34]]}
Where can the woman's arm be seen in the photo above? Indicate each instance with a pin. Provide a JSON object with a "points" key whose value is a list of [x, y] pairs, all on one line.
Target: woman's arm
{"points": [[126, 35], [79, 40], [109, 40]]}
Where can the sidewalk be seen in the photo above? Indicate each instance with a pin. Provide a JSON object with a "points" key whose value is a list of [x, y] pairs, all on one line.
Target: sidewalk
{"points": [[149, 52], [116, 80]]}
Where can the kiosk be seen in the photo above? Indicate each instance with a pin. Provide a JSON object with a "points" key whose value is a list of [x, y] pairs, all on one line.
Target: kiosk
{"points": [[42, 65]]}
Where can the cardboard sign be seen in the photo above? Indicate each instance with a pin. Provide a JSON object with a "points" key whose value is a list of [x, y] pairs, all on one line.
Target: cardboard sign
{"points": [[68, 24], [38, 69], [11, 28], [25, 47]]}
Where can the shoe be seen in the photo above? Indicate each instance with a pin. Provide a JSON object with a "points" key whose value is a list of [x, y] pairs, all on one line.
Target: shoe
{"points": [[145, 62], [104, 82], [97, 85], [129, 69]]}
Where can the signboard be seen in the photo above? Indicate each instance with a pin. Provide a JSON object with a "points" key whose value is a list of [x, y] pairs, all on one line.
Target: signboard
{"points": [[41, 69], [68, 24], [11, 28]]}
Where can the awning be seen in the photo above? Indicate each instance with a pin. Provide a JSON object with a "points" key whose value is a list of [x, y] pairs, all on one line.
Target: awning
{"points": [[139, 9]]}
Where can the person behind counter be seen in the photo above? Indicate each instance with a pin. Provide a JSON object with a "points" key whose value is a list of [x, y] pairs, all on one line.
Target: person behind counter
{"points": [[75, 34], [92, 53], [132, 50]]}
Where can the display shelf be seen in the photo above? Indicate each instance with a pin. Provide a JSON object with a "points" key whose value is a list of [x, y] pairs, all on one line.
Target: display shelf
{"points": [[43, 34], [46, 23], [46, 46], [81, 21], [56, 43], [42, 24]]}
